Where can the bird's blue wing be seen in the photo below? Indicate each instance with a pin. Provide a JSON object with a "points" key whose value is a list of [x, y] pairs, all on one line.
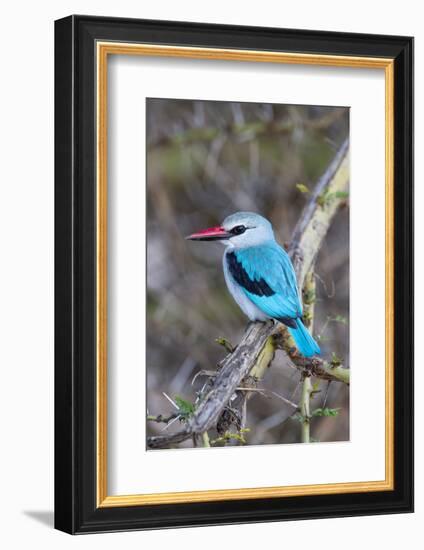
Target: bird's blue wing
{"points": [[266, 275]]}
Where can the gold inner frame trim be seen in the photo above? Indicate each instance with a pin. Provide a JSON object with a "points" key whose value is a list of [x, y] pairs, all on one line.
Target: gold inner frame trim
{"points": [[103, 50]]}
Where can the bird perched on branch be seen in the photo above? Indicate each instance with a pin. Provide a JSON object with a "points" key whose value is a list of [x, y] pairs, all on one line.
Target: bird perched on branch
{"points": [[259, 274]]}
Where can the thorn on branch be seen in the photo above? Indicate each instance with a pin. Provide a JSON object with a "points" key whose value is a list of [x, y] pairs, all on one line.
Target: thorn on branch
{"points": [[226, 344]]}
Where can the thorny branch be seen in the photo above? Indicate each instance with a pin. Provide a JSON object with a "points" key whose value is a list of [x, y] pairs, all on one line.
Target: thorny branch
{"points": [[222, 399]]}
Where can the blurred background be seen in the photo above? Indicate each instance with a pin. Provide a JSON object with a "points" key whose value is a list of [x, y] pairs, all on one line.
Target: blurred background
{"points": [[206, 160]]}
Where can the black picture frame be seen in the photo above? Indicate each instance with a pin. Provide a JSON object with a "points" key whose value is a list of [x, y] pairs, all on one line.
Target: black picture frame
{"points": [[76, 510]]}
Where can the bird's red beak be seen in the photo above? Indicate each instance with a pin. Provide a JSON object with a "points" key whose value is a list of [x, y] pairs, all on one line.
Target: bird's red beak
{"points": [[211, 234]]}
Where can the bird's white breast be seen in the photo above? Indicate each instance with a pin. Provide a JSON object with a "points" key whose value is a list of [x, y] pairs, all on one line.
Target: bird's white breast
{"points": [[248, 307]]}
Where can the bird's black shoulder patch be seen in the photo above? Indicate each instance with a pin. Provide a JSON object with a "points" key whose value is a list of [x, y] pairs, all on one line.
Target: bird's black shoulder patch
{"points": [[240, 275]]}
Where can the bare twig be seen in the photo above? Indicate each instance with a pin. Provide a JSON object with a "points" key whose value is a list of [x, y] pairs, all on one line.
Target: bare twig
{"points": [[316, 366], [305, 409]]}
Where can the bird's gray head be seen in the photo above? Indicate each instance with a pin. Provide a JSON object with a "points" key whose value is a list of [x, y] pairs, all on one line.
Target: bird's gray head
{"points": [[240, 230]]}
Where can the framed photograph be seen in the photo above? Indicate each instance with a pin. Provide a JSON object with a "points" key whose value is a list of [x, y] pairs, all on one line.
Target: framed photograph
{"points": [[234, 269]]}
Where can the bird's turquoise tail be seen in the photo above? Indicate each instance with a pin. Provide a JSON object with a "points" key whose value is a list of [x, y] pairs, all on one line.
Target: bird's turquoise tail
{"points": [[303, 340]]}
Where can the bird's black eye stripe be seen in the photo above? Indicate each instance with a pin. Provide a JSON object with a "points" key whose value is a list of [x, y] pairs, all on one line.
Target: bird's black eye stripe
{"points": [[238, 230]]}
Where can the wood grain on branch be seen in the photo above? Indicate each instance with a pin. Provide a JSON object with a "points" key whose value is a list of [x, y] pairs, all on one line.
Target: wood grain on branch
{"points": [[223, 396]]}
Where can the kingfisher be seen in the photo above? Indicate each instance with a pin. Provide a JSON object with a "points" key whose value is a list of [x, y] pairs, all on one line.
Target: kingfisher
{"points": [[260, 275]]}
